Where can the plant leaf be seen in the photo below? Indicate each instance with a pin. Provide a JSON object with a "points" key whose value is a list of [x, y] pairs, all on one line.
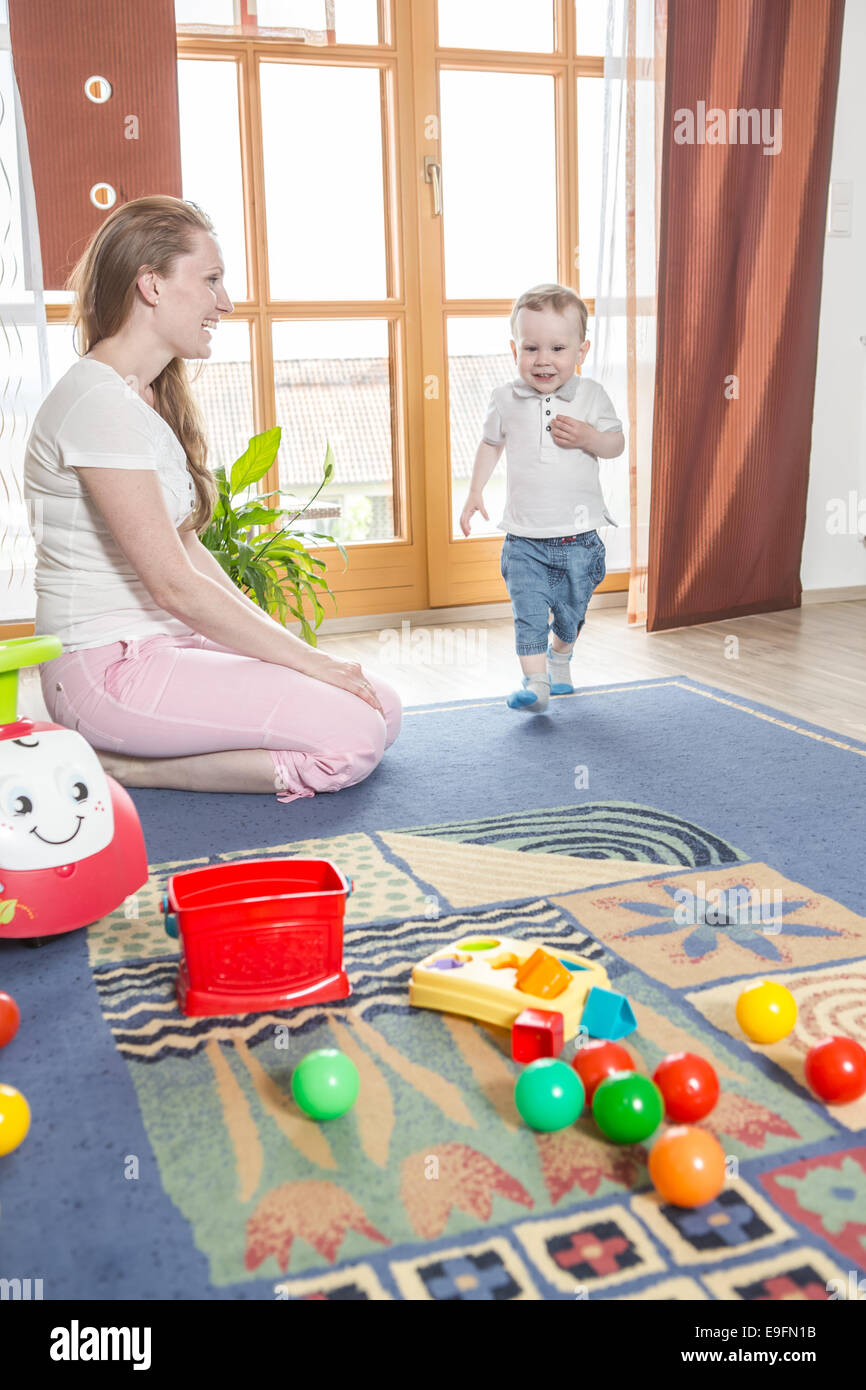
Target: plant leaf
{"points": [[256, 460], [275, 568], [252, 514]]}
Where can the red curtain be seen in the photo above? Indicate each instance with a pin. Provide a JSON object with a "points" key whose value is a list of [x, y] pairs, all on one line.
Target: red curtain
{"points": [[130, 142], [739, 285]]}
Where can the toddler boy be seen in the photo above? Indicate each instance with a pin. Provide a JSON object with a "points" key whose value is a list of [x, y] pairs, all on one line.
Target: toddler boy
{"points": [[554, 427]]}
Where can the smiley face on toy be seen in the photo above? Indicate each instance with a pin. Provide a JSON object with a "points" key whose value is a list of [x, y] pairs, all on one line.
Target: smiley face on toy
{"points": [[55, 803]]}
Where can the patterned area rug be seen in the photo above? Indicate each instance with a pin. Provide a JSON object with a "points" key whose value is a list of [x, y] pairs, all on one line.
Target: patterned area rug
{"points": [[432, 1188]]}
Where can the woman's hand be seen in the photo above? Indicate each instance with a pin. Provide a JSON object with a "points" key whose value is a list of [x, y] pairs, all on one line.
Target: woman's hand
{"points": [[348, 675]]}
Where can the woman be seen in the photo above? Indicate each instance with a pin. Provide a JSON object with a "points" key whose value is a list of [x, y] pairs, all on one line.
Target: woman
{"points": [[174, 675]]}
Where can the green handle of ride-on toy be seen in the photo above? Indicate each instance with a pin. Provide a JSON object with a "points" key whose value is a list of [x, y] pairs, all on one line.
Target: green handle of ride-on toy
{"points": [[18, 652]]}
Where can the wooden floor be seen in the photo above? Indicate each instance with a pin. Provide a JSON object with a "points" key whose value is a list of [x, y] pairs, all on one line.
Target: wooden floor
{"points": [[809, 662]]}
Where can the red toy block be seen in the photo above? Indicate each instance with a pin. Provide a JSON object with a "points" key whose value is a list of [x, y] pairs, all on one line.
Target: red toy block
{"points": [[536, 1033]]}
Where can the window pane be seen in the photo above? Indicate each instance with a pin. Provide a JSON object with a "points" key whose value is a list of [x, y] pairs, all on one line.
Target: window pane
{"points": [[332, 382], [323, 181], [204, 12], [356, 20], [591, 22], [210, 151], [590, 151], [223, 387], [479, 360], [499, 183], [503, 24]]}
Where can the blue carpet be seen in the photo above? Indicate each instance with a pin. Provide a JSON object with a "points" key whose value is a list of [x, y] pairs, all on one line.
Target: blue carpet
{"points": [[109, 1197], [653, 742]]}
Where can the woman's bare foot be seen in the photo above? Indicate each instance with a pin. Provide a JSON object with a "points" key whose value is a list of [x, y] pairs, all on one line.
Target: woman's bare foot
{"points": [[117, 766], [238, 770]]}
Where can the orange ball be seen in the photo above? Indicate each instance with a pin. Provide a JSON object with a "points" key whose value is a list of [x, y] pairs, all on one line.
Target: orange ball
{"points": [[687, 1166]]}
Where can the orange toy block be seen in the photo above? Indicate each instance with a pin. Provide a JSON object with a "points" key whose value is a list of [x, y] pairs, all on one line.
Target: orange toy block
{"points": [[542, 975]]}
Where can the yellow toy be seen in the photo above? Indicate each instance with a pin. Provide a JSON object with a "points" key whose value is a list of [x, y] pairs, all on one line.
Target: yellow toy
{"points": [[478, 977], [14, 1119], [766, 1011]]}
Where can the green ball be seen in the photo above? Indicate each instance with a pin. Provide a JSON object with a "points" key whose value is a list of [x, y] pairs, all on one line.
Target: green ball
{"points": [[628, 1107], [549, 1094], [325, 1084]]}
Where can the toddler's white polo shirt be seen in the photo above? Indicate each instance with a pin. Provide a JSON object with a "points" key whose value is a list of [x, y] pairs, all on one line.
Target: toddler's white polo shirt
{"points": [[550, 491]]}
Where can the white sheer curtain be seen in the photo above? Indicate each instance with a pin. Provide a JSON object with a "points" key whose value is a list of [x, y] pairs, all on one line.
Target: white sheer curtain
{"points": [[24, 370], [625, 305]]}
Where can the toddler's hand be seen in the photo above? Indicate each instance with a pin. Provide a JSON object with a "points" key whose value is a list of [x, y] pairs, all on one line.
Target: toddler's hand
{"points": [[474, 504], [573, 434]]}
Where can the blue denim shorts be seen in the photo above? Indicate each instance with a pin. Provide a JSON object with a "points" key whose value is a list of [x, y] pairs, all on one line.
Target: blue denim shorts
{"points": [[557, 575]]}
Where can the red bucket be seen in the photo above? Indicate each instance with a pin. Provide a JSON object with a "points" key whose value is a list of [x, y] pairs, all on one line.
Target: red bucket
{"points": [[264, 934]]}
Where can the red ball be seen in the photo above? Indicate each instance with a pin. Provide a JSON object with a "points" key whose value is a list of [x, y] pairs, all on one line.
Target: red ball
{"points": [[9, 1018], [836, 1070], [595, 1061], [689, 1085]]}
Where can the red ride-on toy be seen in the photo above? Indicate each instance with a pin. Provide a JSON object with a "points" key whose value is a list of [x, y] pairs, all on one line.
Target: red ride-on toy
{"points": [[71, 847], [265, 934]]}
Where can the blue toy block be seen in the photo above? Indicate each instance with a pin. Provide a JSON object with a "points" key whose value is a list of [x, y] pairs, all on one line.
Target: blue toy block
{"points": [[607, 1014]]}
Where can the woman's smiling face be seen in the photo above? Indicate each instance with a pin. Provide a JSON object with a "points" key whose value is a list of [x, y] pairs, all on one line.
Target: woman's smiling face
{"points": [[192, 299], [548, 350]]}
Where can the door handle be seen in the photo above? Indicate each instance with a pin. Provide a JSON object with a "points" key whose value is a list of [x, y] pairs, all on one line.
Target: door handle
{"points": [[433, 174]]}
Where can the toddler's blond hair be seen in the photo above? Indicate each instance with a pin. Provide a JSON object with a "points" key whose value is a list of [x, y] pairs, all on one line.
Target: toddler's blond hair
{"points": [[558, 297]]}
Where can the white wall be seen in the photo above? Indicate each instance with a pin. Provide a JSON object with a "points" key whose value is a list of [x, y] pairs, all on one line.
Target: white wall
{"points": [[838, 461]]}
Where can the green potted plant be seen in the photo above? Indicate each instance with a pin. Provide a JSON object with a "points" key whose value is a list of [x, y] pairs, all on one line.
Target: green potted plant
{"points": [[273, 566]]}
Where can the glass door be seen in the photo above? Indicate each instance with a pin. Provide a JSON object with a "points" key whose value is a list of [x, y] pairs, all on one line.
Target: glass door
{"points": [[325, 264], [502, 90]]}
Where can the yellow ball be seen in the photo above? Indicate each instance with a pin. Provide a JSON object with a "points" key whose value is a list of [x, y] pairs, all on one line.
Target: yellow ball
{"points": [[14, 1118], [766, 1012]]}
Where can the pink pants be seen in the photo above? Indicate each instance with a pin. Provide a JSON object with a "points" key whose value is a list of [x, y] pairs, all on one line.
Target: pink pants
{"points": [[171, 697]]}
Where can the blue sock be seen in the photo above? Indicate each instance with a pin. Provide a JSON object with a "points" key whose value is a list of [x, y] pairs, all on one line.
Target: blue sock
{"points": [[559, 671], [533, 696]]}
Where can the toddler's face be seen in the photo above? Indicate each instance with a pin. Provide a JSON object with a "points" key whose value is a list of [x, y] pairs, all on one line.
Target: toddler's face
{"points": [[548, 349]]}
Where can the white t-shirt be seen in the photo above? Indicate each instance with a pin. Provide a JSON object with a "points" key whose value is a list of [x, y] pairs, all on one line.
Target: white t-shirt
{"points": [[87, 592], [550, 491]]}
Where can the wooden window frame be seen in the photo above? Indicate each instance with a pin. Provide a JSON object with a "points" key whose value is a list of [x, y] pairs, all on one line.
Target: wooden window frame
{"points": [[424, 565]]}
